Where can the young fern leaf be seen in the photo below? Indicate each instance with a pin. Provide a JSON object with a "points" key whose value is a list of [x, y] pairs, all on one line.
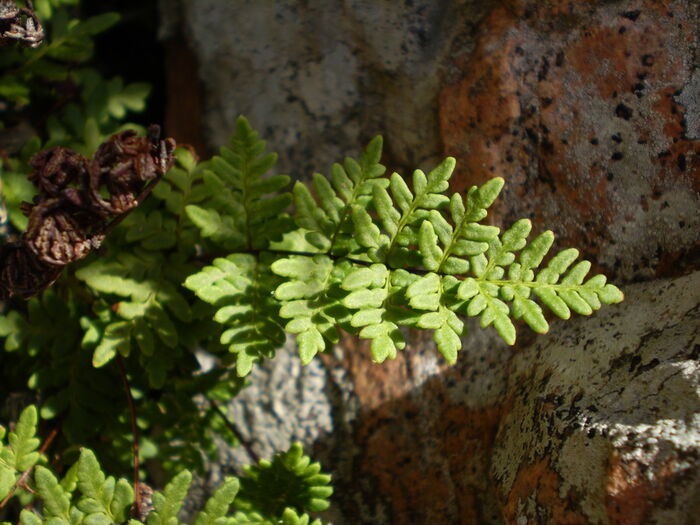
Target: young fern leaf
{"points": [[370, 290], [311, 298], [21, 452], [151, 306], [390, 256], [167, 504], [351, 185], [57, 506], [240, 286], [237, 214], [485, 294], [218, 505], [445, 248], [401, 225], [290, 480], [104, 500]]}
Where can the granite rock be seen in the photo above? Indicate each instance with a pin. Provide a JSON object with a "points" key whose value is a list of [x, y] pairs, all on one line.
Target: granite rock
{"points": [[590, 111]]}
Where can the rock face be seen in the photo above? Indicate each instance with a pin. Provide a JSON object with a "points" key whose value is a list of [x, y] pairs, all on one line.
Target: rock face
{"points": [[603, 423], [591, 111]]}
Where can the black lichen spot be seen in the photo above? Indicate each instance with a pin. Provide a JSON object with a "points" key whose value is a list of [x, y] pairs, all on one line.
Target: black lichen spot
{"points": [[610, 175], [559, 61], [632, 15], [547, 146], [623, 111], [665, 153], [681, 162], [546, 102], [647, 60], [616, 156], [591, 433], [650, 365], [622, 30], [616, 138], [594, 141], [519, 51], [542, 74], [532, 135]]}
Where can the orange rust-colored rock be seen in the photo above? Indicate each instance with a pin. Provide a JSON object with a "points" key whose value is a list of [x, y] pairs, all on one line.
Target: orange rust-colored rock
{"points": [[541, 483], [576, 105], [630, 496]]}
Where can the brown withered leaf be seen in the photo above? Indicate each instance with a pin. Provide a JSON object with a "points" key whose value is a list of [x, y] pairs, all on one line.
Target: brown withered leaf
{"points": [[55, 168], [123, 166], [55, 233], [19, 24], [79, 201], [22, 274]]}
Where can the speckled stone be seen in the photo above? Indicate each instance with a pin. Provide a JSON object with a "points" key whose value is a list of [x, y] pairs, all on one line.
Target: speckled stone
{"points": [[591, 111], [603, 424]]}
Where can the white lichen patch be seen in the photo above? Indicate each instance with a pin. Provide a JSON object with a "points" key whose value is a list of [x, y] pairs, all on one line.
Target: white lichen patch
{"points": [[624, 383]]}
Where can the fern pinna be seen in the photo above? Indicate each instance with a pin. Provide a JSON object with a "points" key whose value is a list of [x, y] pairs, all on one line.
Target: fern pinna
{"points": [[286, 490], [370, 254]]}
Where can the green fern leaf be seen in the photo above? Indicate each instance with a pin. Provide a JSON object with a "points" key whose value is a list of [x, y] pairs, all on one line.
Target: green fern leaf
{"points": [[238, 213], [330, 219], [240, 286], [428, 294], [290, 517], [217, 506], [167, 504], [312, 301], [402, 213], [467, 238], [290, 480], [56, 499], [370, 291], [22, 453], [103, 499]]}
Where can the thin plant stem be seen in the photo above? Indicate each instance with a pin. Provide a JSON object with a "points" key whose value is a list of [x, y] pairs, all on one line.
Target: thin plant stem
{"points": [[136, 509]]}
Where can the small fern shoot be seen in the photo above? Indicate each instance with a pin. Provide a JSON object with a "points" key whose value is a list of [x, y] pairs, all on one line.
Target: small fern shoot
{"points": [[287, 489]]}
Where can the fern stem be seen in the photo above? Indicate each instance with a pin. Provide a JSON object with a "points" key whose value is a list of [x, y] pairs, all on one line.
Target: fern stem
{"points": [[232, 427], [136, 508]]}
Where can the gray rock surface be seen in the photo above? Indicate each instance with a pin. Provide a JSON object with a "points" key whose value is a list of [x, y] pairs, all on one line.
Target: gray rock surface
{"points": [[605, 413], [319, 79]]}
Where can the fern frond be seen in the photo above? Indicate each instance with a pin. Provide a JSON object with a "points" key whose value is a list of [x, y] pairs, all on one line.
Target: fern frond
{"points": [[370, 291], [498, 278], [401, 214], [151, 306], [445, 248], [57, 500], [238, 213], [167, 504], [103, 499], [328, 216], [289, 480], [240, 286], [311, 299], [21, 452]]}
